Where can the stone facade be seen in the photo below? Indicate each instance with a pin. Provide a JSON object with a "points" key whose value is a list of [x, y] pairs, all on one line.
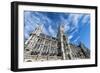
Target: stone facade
{"points": [[41, 47]]}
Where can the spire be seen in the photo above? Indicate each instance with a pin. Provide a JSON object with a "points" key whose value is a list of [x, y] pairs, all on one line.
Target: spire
{"points": [[62, 28]]}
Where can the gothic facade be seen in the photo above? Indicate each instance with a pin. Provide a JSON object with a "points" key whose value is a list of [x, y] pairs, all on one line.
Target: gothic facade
{"points": [[41, 47]]}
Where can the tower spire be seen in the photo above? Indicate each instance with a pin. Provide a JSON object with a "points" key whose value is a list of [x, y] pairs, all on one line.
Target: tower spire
{"points": [[37, 31], [61, 40]]}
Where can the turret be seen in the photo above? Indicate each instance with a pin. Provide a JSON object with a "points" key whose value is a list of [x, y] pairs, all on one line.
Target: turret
{"points": [[37, 32]]}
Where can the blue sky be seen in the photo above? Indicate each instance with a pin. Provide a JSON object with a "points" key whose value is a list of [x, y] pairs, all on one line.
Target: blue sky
{"points": [[77, 25]]}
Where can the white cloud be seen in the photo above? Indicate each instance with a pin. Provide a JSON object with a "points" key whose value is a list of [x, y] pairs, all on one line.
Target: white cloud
{"points": [[51, 31], [85, 19], [72, 29], [70, 37], [74, 19], [32, 19], [67, 27], [76, 30], [76, 39], [43, 18], [46, 20], [45, 31]]}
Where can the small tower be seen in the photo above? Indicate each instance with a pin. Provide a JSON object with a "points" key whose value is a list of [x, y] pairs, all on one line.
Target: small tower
{"points": [[32, 40], [37, 32]]}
